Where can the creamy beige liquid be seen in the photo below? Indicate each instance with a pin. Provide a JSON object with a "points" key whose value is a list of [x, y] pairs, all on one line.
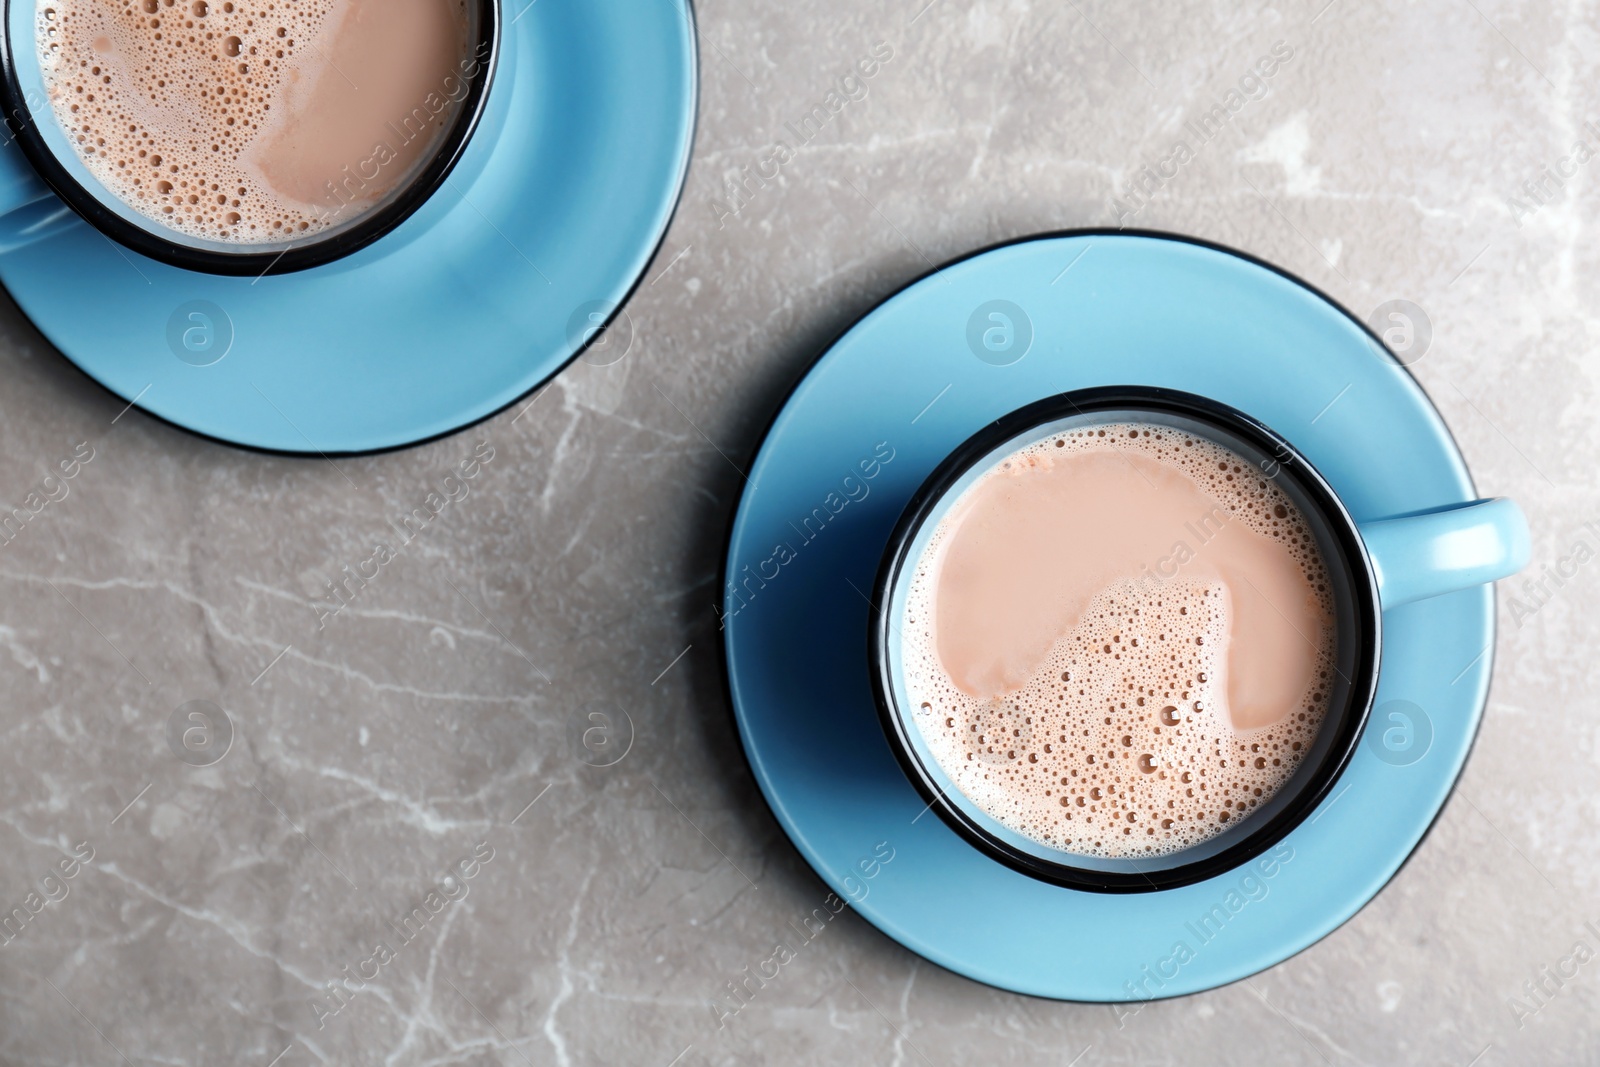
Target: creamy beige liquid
{"points": [[1120, 640], [255, 121]]}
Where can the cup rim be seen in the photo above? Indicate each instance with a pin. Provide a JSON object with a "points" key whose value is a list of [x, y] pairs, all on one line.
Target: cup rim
{"points": [[147, 241], [1347, 728]]}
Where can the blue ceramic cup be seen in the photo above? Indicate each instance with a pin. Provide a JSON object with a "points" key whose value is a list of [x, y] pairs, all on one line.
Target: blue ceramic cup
{"points": [[45, 186], [1374, 566]]}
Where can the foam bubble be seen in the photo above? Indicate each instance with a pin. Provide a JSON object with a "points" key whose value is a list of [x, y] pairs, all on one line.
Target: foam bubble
{"points": [[1120, 744], [164, 100]]}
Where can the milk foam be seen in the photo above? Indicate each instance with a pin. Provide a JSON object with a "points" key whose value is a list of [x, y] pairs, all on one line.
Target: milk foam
{"points": [[240, 120], [1121, 743]]}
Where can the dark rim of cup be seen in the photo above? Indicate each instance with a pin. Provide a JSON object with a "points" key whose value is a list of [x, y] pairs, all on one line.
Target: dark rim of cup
{"points": [[314, 252], [1345, 722]]}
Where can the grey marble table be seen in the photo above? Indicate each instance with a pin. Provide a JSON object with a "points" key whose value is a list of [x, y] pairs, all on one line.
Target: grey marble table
{"points": [[434, 723]]}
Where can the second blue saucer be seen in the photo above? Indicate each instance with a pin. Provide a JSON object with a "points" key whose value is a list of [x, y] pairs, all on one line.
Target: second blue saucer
{"points": [[914, 379]]}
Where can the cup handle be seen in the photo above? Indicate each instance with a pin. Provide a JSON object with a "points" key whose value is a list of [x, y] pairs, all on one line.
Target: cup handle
{"points": [[29, 211], [1419, 556]]}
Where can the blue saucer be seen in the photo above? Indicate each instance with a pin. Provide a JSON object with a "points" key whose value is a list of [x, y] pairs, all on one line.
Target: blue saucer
{"points": [[541, 231], [1076, 311]]}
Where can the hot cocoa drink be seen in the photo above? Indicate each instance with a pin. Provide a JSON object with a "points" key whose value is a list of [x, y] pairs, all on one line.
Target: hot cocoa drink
{"points": [[1120, 640], [248, 122]]}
